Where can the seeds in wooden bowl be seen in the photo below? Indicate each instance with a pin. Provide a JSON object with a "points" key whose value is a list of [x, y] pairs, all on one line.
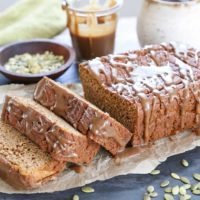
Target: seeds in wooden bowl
{"points": [[34, 63]]}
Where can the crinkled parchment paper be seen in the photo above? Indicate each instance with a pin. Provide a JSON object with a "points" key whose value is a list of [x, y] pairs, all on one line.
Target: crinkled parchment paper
{"points": [[104, 167]]}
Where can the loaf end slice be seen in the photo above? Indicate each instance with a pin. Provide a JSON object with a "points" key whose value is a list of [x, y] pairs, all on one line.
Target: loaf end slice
{"points": [[22, 164], [51, 133], [82, 115]]}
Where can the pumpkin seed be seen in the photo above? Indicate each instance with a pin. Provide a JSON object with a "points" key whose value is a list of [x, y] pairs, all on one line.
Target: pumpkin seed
{"points": [[187, 186], [75, 197], [87, 189], [195, 187], [168, 190], [164, 184], [175, 190], [185, 180], [168, 197], [153, 194], [185, 197], [182, 190], [150, 189], [147, 197], [155, 172], [196, 192], [175, 176], [34, 63], [196, 176], [185, 163]]}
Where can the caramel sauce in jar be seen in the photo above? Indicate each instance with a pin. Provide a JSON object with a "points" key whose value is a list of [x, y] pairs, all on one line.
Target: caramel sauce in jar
{"points": [[92, 28]]}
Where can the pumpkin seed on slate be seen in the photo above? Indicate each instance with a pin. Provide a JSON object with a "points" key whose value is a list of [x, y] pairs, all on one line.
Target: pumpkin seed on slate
{"points": [[87, 189], [75, 197], [155, 172], [175, 176], [175, 190], [196, 176], [168, 190], [164, 184], [147, 197], [168, 197], [196, 192], [182, 190], [185, 197], [153, 194], [187, 186], [185, 180], [195, 186], [150, 189], [185, 163]]}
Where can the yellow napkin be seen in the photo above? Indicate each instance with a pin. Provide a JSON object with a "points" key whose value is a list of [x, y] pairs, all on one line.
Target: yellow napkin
{"points": [[29, 19]]}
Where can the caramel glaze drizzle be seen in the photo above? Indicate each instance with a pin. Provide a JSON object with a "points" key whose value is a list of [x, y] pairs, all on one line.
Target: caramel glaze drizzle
{"points": [[148, 77]]}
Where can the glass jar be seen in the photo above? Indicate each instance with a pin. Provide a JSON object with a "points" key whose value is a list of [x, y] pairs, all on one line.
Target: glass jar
{"points": [[169, 20], [92, 27]]}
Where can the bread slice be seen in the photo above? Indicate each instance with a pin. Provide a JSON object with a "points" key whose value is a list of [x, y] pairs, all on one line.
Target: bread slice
{"points": [[22, 164], [154, 92], [82, 115], [51, 133]]}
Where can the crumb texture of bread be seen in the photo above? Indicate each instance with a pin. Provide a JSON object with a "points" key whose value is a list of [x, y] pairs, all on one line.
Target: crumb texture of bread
{"points": [[22, 163], [82, 115], [154, 92], [51, 133]]}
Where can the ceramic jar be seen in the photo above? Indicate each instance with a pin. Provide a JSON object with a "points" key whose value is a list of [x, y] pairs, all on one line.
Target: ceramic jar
{"points": [[167, 20]]}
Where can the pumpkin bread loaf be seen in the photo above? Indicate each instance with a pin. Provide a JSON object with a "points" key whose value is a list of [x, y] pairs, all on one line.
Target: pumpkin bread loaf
{"points": [[154, 92]]}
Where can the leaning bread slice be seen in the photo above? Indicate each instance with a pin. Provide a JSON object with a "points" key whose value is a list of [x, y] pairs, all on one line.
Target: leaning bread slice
{"points": [[81, 114], [51, 133], [22, 164]]}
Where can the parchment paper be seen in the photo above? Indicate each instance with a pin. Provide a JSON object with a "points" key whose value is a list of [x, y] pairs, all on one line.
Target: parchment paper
{"points": [[104, 166]]}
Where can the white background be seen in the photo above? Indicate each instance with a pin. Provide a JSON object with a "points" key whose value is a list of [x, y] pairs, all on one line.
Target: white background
{"points": [[130, 8]]}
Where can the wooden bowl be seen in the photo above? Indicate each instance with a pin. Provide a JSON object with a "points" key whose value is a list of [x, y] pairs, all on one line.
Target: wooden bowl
{"points": [[33, 47]]}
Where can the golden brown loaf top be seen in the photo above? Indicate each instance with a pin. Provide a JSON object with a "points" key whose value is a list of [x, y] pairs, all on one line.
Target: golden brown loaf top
{"points": [[154, 91], [22, 163], [82, 115], [51, 133]]}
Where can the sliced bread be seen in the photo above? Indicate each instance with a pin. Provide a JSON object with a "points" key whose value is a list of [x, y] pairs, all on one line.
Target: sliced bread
{"points": [[82, 115], [22, 164], [51, 133]]}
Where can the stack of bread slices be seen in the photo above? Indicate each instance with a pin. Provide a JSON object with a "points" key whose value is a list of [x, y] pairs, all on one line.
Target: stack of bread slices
{"points": [[40, 135]]}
